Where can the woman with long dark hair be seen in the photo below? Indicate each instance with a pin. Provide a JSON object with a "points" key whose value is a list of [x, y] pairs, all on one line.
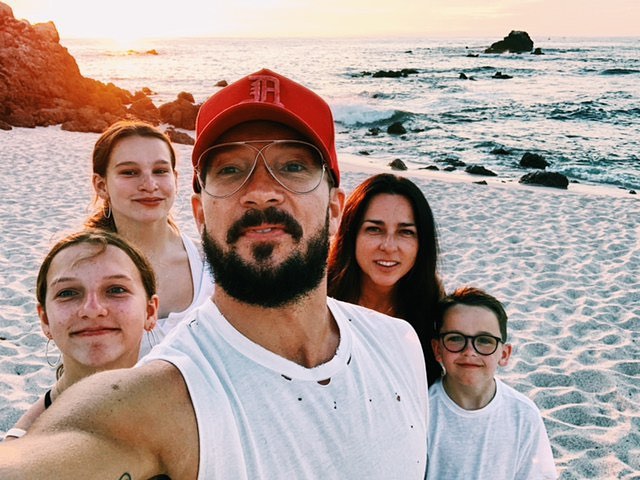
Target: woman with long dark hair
{"points": [[385, 255]]}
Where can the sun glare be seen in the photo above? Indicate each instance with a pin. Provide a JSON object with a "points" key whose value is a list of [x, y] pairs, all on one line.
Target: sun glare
{"points": [[129, 21]]}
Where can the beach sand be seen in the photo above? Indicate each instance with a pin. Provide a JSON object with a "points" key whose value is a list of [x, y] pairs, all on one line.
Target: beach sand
{"points": [[565, 263]]}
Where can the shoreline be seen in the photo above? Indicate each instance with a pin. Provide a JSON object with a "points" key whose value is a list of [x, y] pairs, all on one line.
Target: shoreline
{"points": [[357, 163]]}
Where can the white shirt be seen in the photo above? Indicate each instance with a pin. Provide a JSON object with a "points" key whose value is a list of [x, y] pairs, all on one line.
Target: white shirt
{"points": [[505, 440], [261, 416]]}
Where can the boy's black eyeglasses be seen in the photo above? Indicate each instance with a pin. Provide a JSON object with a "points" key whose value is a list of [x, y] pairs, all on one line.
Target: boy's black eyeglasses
{"points": [[456, 342]]}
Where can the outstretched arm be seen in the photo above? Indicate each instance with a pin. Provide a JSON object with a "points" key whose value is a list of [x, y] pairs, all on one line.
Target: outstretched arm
{"points": [[112, 425]]}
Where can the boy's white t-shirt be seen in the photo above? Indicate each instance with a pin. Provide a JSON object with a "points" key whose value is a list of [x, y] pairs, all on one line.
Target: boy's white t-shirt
{"points": [[505, 440]]}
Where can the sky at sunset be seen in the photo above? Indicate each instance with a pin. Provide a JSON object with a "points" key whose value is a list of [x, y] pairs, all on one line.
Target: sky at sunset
{"points": [[135, 19]]}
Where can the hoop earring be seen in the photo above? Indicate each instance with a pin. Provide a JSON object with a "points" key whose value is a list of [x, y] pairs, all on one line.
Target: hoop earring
{"points": [[106, 214], [46, 354]]}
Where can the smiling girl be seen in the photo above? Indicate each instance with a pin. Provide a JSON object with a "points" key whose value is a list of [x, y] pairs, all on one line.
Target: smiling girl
{"points": [[96, 296], [135, 181]]}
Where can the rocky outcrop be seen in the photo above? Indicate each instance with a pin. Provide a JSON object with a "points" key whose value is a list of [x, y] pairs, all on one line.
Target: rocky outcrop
{"points": [[40, 83], [480, 170], [397, 164], [546, 179], [179, 137], [515, 42], [396, 128], [181, 112], [501, 76], [533, 160]]}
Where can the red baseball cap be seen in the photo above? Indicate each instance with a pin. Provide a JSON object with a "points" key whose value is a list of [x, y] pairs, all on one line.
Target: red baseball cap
{"points": [[266, 95]]}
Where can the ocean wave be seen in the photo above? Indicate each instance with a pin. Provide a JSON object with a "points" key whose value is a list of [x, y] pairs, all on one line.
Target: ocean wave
{"points": [[619, 71], [593, 111], [361, 115]]}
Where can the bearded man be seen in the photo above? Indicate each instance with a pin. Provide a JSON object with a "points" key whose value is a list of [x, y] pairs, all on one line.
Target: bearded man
{"points": [[271, 379]]}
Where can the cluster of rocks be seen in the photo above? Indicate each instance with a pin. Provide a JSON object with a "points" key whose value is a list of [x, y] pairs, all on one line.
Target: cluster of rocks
{"points": [[515, 42], [41, 85], [529, 160]]}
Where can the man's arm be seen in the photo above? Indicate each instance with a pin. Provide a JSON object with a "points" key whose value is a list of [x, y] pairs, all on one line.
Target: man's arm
{"points": [[123, 424]]}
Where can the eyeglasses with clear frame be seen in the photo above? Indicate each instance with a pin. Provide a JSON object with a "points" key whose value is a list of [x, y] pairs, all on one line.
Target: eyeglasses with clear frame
{"points": [[225, 168], [483, 344]]}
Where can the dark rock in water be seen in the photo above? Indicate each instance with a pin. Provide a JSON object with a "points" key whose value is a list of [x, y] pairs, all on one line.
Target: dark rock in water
{"points": [[396, 128], [501, 76], [153, 51], [515, 42], [373, 131], [222, 83], [480, 170], [450, 168], [481, 182], [430, 167], [405, 72], [632, 192], [537, 51], [500, 151], [408, 51], [472, 55], [364, 152], [533, 160], [398, 164], [546, 179], [179, 137], [180, 113], [463, 76], [454, 162]]}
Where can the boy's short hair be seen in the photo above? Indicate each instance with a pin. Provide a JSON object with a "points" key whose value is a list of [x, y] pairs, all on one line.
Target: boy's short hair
{"points": [[474, 297]]}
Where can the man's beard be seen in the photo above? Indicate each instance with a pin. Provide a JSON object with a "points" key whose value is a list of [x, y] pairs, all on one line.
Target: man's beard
{"points": [[263, 284]]}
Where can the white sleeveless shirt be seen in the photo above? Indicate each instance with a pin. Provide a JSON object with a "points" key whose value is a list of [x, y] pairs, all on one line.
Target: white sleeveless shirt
{"points": [[261, 416]]}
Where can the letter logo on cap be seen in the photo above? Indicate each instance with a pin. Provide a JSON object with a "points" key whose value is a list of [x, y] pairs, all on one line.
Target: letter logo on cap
{"points": [[265, 89]]}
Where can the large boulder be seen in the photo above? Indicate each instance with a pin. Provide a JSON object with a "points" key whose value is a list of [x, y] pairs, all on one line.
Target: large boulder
{"points": [[180, 113], [515, 42], [533, 160], [546, 179], [41, 84]]}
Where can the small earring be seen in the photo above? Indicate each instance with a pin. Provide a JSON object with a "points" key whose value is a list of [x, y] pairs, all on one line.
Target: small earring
{"points": [[46, 354], [106, 214]]}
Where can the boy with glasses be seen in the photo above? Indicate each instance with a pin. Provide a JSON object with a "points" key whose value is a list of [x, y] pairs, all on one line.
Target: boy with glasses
{"points": [[479, 427]]}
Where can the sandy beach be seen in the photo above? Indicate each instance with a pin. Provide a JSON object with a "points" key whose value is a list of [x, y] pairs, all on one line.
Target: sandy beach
{"points": [[565, 263]]}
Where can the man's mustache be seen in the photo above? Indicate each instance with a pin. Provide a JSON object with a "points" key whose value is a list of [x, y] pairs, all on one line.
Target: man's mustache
{"points": [[255, 218]]}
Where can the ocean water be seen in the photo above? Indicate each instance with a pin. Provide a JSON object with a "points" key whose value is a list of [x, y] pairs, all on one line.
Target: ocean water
{"points": [[578, 105]]}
